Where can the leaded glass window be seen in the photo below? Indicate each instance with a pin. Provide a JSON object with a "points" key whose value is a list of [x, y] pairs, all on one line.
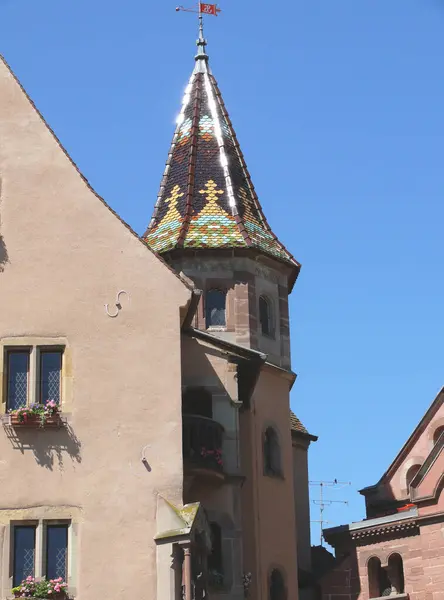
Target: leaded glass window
{"points": [[50, 375], [24, 553], [17, 382], [215, 301], [56, 551]]}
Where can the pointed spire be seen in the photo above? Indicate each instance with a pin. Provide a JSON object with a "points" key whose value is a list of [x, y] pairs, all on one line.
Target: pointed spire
{"points": [[206, 197]]}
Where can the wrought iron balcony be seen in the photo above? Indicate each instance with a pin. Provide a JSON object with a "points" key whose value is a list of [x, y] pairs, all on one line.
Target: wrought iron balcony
{"points": [[202, 444]]}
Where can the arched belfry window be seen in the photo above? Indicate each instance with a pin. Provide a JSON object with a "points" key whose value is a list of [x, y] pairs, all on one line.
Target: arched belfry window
{"points": [[215, 308], [385, 581], [396, 574], [272, 453], [265, 316], [278, 590]]}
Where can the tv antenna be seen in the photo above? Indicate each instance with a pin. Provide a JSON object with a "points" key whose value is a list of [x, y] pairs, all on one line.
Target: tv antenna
{"points": [[322, 502]]}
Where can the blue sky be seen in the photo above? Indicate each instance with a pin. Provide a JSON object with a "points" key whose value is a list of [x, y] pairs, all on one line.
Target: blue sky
{"points": [[338, 106]]}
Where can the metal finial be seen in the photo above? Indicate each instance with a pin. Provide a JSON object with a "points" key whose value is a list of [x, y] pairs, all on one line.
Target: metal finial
{"points": [[201, 42]]}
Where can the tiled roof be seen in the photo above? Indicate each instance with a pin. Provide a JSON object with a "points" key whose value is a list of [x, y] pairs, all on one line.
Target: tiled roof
{"points": [[295, 424], [206, 198]]}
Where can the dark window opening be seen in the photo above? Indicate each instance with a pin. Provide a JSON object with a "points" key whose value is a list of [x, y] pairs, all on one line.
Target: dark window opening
{"points": [[56, 551], [396, 573], [385, 581], [277, 586], [272, 453], [197, 402], [17, 379], [265, 316], [215, 558], [50, 375], [215, 303], [24, 553]]}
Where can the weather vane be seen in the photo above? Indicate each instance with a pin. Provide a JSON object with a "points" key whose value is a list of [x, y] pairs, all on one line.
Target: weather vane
{"points": [[202, 9]]}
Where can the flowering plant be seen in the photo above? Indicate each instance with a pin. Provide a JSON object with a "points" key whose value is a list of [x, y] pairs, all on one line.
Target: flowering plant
{"points": [[49, 409], [33, 588], [216, 455]]}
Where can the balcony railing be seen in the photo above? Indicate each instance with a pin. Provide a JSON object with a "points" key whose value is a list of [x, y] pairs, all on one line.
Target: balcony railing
{"points": [[202, 442]]}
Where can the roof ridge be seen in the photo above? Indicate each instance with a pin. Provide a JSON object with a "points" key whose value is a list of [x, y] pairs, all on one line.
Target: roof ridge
{"points": [[191, 163]]}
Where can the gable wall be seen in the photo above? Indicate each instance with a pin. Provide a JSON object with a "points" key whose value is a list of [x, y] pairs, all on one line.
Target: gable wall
{"points": [[64, 255]]}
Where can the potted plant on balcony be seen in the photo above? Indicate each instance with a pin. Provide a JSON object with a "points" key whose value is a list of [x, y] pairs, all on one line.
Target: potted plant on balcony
{"points": [[36, 415], [32, 588], [213, 457]]}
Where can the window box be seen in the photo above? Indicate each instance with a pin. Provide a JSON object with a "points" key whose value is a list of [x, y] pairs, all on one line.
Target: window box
{"points": [[35, 422], [60, 596], [37, 415]]}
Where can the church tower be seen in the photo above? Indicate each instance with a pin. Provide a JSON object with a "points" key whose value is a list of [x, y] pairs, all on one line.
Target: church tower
{"points": [[208, 223]]}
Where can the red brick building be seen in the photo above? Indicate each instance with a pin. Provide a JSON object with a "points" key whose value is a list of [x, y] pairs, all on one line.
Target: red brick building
{"points": [[398, 550]]}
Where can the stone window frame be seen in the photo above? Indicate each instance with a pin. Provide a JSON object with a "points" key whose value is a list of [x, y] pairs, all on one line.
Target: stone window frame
{"points": [[36, 345], [40, 525]]}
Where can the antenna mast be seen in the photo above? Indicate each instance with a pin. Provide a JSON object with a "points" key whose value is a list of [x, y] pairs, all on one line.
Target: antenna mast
{"points": [[322, 502]]}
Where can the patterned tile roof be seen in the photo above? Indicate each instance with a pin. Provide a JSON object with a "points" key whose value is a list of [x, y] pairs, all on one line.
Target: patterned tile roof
{"points": [[206, 198], [295, 424]]}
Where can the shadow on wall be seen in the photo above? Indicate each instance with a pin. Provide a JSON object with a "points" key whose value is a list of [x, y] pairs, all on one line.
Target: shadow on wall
{"points": [[3, 255], [49, 447]]}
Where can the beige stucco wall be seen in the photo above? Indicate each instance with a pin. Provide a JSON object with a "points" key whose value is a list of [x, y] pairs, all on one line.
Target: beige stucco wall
{"points": [[64, 256], [267, 502]]}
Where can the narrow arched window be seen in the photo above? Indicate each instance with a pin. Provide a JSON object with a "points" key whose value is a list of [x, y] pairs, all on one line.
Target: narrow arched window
{"points": [[272, 453], [215, 308], [378, 579], [437, 434], [278, 590], [396, 574], [265, 316], [411, 474]]}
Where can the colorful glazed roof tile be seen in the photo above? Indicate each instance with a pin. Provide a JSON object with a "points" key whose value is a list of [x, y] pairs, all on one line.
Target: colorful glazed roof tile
{"points": [[206, 198]]}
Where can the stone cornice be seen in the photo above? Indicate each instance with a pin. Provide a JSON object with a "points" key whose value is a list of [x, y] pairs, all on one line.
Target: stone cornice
{"points": [[385, 530]]}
